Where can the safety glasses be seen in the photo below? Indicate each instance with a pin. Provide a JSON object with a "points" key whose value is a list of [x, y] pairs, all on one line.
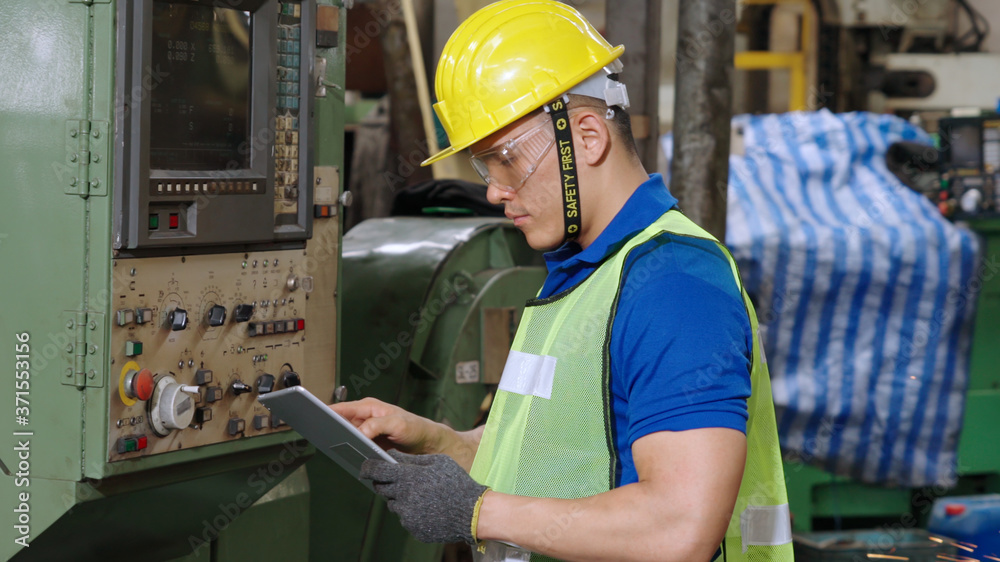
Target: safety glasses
{"points": [[510, 164]]}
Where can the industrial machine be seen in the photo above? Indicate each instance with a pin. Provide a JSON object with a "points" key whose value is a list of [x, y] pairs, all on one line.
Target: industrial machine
{"points": [[430, 309], [871, 55], [969, 169], [960, 178], [970, 166], [170, 200], [915, 60]]}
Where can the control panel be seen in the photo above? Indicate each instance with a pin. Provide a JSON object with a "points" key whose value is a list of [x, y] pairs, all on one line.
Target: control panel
{"points": [[216, 146], [288, 105], [217, 154], [969, 166], [196, 339]]}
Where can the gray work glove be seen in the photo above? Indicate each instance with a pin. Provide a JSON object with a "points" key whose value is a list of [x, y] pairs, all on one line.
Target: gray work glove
{"points": [[434, 497]]}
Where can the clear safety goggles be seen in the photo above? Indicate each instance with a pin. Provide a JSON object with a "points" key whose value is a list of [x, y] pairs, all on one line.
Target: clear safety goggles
{"points": [[511, 163]]}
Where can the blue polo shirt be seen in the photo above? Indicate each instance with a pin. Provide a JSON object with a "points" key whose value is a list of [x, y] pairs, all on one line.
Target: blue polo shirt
{"points": [[681, 339]]}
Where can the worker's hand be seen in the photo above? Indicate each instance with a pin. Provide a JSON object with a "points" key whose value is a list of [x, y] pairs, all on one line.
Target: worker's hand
{"points": [[434, 497], [391, 426]]}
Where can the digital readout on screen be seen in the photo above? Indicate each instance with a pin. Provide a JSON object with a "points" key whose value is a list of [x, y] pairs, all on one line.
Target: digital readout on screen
{"points": [[200, 111]]}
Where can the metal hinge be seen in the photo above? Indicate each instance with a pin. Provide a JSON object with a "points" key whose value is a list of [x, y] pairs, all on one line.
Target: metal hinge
{"points": [[87, 147], [83, 349]]}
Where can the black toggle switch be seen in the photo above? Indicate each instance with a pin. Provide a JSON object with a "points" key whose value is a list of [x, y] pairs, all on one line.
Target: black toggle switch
{"points": [[236, 426], [178, 319], [213, 394], [216, 316], [265, 383], [243, 312], [202, 415], [203, 376], [239, 387], [290, 379]]}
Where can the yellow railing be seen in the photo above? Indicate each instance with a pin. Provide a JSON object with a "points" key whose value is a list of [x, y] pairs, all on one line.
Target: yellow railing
{"points": [[795, 62]]}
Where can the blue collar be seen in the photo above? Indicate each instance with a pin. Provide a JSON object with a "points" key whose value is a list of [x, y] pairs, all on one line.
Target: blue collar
{"points": [[648, 203]]}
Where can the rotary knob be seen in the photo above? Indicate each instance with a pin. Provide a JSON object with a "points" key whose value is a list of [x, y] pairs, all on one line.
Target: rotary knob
{"points": [[290, 379], [139, 384], [243, 312], [265, 383], [970, 201], [216, 316], [177, 319], [172, 405]]}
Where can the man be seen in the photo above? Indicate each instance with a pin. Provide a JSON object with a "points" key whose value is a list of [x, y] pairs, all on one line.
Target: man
{"points": [[634, 418]]}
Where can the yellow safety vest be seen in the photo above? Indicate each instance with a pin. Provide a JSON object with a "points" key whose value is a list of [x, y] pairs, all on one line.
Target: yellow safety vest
{"points": [[549, 430]]}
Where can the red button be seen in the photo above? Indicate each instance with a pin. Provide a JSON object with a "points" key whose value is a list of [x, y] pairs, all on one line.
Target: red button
{"points": [[175, 220], [300, 324], [142, 385], [954, 509], [142, 443]]}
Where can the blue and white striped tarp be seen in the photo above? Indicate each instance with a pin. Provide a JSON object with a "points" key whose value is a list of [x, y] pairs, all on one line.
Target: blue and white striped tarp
{"points": [[866, 295]]}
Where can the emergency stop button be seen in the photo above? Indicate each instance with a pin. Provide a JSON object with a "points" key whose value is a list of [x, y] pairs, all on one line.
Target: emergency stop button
{"points": [[139, 384]]}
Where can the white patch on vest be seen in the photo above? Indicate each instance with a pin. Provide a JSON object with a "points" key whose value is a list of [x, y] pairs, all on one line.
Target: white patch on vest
{"points": [[760, 344], [528, 374], [765, 525]]}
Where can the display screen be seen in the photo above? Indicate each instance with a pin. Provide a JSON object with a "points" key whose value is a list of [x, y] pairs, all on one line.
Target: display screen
{"points": [[200, 91], [966, 147]]}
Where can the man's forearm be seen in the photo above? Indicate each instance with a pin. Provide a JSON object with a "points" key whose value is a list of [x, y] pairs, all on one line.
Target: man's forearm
{"points": [[627, 523], [459, 445]]}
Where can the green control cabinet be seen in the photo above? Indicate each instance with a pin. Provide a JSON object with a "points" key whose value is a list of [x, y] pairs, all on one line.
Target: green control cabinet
{"points": [[170, 234]]}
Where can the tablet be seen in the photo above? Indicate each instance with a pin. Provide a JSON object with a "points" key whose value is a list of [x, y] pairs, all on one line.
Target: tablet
{"points": [[336, 437]]}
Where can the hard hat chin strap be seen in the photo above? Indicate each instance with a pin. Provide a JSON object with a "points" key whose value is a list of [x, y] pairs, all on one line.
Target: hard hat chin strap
{"points": [[558, 110]]}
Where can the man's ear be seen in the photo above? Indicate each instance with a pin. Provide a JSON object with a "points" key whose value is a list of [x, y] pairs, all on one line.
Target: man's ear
{"points": [[592, 141]]}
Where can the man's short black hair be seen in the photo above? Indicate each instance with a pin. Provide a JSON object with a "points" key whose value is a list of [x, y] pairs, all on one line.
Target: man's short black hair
{"points": [[620, 124]]}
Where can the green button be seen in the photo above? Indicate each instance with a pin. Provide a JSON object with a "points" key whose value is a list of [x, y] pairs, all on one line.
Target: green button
{"points": [[154, 222], [131, 445], [133, 348]]}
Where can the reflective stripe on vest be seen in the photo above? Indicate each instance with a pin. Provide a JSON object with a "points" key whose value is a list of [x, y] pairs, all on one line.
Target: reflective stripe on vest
{"points": [[549, 432]]}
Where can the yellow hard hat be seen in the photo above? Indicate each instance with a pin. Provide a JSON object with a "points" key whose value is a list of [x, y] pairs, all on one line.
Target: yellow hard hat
{"points": [[509, 59]]}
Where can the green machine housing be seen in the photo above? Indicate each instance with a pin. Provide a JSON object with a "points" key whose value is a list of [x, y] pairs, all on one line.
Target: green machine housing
{"points": [[430, 309], [162, 163]]}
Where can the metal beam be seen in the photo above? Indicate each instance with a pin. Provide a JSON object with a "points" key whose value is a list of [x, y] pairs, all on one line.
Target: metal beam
{"points": [[636, 24], [699, 170]]}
